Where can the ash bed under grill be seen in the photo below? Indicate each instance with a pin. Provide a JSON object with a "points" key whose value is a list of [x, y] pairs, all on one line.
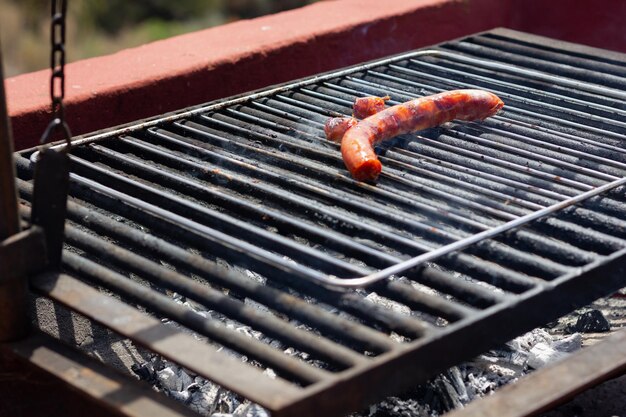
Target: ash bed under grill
{"points": [[243, 207]]}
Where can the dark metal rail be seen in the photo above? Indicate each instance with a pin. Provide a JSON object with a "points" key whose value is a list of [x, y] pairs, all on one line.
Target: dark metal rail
{"points": [[245, 201], [13, 284]]}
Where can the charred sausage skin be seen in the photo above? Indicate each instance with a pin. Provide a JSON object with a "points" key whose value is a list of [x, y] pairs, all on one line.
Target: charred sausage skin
{"points": [[357, 145]]}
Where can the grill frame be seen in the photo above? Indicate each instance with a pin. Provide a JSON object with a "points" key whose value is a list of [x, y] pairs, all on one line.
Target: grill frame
{"points": [[400, 368]]}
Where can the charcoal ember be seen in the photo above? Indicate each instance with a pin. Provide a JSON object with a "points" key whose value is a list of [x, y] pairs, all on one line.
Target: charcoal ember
{"points": [[182, 396], [173, 378], [248, 409], [456, 379], [388, 304], [396, 407], [542, 354], [569, 344], [448, 394], [503, 364], [167, 379], [479, 385], [145, 371], [270, 373], [227, 402], [203, 399], [591, 321], [526, 341]]}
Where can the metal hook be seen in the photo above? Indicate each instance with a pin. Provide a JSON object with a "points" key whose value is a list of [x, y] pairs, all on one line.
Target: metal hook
{"points": [[55, 124]]}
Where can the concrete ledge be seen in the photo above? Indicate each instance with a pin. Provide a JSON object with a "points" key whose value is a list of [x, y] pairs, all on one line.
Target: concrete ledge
{"points": [[234, 58]]}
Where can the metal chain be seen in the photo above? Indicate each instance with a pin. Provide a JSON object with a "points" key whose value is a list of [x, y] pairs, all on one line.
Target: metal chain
{"points": [[57, 66], [57, 58]]}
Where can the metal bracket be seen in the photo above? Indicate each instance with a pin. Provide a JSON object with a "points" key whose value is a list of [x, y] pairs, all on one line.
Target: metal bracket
{"points": [[50, 199]]}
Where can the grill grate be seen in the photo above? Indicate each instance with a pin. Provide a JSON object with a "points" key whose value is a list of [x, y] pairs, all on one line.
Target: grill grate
{"points": [[242, 206]]}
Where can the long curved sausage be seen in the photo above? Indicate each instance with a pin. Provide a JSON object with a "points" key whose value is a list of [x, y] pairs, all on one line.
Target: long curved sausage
{"points": [[357, 145]]}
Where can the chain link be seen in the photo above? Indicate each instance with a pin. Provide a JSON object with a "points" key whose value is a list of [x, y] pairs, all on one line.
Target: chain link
{"points": [[57, 58], [57, 66]]}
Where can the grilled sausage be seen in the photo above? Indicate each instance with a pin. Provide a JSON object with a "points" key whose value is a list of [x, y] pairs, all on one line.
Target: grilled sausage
{"points": [[357, 145], [363, 107], [366, 106], [335, 127]]}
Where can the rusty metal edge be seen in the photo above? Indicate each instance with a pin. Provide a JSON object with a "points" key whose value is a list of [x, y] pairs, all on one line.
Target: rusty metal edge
{"points": [[549, 387], [21, 255], [14, 323], [9, 218], [104, 387]]}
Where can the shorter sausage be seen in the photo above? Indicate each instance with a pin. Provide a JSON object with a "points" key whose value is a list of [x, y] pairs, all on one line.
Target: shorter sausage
{"points": [[357, 145], [366, 106], [363, 107], [335, 127]]}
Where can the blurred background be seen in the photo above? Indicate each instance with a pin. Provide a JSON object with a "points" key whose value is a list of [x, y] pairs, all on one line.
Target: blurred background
{"points": [[100, 27]]}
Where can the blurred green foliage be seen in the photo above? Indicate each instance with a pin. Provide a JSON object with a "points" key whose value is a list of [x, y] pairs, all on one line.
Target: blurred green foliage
{"points": [[98, 27], [113, 15]]}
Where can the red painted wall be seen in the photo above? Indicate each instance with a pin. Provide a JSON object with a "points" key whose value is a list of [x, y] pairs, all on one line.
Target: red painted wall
{"points": [[599, 23], [246, 55]]}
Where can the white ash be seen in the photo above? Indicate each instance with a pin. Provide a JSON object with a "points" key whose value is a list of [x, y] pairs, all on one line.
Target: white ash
{"points": [[543, 353], [450, 390], [453, 389], [477, 378], [202, 396], [388, 304]]}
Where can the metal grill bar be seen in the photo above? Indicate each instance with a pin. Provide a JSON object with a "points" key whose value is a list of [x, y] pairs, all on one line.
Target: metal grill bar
{"points": [[286, 366], [191, 353], [252, 183], [265, 258], [564, 74], [334, 353], [534, 261], [461, 244], [354, 334]]}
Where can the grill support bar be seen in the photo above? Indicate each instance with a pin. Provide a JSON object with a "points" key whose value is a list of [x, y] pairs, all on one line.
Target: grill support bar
{"points": [[594, 280], [353, 333]]}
